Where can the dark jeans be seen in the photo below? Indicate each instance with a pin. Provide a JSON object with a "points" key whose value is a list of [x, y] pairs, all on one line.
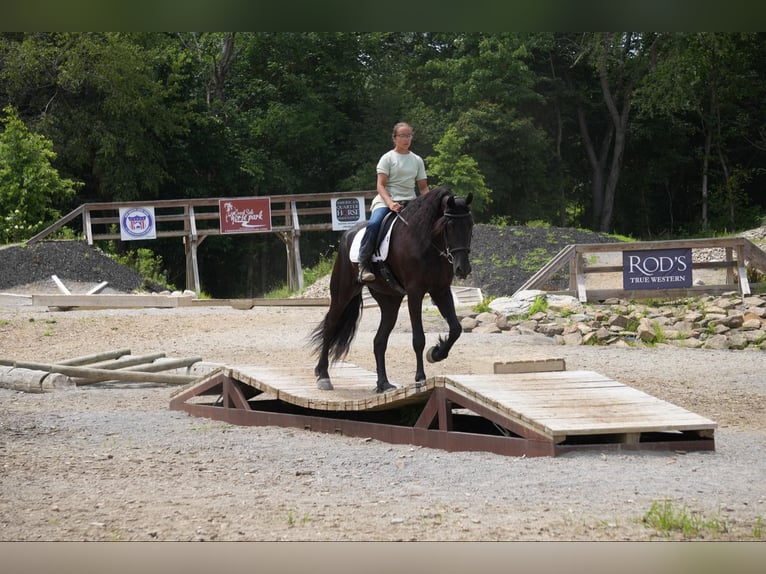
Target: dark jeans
{"points": [[371, 233]]}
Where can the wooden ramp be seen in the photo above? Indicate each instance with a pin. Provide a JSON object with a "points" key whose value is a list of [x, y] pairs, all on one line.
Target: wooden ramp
{"points": [[516, 414]]}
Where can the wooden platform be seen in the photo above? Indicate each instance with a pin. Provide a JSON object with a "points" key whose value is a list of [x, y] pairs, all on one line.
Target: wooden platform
{"points": [[528, 413]]}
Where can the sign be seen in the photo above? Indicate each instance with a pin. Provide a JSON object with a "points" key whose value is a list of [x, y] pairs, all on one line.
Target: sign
{"points": [[346, 212], [137, 223], [657, 269], [245, 214]]}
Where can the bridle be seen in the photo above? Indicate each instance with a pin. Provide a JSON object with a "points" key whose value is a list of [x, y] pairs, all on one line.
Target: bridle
{"points": [[448, 251]]}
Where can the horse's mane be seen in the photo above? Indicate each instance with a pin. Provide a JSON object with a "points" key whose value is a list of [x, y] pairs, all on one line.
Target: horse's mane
{"points": [[423, 213]]}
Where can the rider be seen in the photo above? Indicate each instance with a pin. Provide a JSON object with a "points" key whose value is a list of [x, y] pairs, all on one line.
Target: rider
{"points": [[399, 170]]}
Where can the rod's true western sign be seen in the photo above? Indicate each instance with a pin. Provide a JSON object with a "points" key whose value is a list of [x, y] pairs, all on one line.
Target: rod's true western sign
{"points": [[245, 214], [657, 269]]}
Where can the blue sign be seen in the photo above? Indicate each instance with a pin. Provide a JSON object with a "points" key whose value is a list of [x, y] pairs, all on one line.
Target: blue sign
{"points": [[137, 223], [657, 269]]}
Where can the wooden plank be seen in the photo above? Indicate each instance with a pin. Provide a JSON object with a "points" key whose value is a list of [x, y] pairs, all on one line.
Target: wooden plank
{"points": [[529, 366], [111, 301], [553, 404], [606, 408], [60, 285]]}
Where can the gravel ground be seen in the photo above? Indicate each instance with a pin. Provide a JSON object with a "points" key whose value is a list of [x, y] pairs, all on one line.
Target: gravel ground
{"points": [[116, 464]]}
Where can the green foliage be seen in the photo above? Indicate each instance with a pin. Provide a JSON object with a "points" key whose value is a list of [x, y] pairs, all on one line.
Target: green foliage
{"points": [[483, 307], [666, 518], [30, 187], [535, 259], [310, 276], [144, 115], [146, 264], [323, 267], [458, 171], [539, 305]]}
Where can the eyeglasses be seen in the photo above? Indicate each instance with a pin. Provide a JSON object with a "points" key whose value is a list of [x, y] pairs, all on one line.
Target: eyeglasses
{"points": [[408, 136]]}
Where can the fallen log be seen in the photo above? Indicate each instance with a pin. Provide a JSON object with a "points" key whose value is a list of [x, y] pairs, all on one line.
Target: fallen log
{"points": [[34, 381], [106, 374], [160, 365], [95, 357], [123, 362]]}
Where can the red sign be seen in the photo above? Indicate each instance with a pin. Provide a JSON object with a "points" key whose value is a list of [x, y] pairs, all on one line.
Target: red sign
{"points": [[245, 214]]}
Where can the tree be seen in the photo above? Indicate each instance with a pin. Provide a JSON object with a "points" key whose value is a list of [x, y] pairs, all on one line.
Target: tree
{"points": [[29, 185], [620, 62], [707, 78], [458, 171]]}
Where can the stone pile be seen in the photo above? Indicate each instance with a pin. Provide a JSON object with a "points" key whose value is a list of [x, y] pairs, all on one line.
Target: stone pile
{"points": [[728, 321]]}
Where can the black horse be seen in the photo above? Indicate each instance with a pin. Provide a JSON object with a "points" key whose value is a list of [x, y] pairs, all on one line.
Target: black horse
{"points": [[430, 244]]}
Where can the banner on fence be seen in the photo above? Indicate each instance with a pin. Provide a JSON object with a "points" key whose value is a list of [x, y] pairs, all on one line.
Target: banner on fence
{"points": [[137, 223], [245, 214], [657, 269], [346, 212]]}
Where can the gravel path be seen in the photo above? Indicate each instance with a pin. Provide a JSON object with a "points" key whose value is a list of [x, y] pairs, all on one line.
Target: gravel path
{"points": [[117, 464]]}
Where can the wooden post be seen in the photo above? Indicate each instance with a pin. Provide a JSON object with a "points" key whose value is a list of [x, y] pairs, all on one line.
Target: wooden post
{"points": [[296, 238], [191, 243]]}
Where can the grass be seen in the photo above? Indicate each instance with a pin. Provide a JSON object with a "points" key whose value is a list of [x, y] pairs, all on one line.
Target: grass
{"points": [[310, 276], [667, 519], [291, 521], [483, 307]]}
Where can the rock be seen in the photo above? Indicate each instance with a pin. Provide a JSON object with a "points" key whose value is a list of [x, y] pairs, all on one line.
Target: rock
{"points": [[716, 342], [712, 322]]}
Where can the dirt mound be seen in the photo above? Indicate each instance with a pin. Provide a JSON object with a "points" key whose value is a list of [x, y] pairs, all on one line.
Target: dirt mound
{"points": [[503, 258], [74, 261]]}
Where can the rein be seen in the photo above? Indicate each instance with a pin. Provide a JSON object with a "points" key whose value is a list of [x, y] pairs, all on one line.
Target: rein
{"points": [[448, 251]]}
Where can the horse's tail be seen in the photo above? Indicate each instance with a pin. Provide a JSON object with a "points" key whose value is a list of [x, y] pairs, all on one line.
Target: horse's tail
{"points": [[339, 334], [337, 330]]}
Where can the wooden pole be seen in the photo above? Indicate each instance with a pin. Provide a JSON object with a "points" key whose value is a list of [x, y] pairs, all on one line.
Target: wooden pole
{"points": [[160, 365], [106, 374], [86, 359]]}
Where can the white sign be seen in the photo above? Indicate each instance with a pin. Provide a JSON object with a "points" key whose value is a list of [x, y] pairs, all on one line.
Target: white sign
{"points": [[347, 212], [137, 223]]}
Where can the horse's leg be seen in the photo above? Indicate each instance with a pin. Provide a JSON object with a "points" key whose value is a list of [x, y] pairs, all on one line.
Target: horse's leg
{"points": [[446, 305], [415, 307], [328, 325], [389, 309]]}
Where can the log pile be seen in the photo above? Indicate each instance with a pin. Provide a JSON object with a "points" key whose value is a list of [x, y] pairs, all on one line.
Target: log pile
{"points": [[108, 367]]}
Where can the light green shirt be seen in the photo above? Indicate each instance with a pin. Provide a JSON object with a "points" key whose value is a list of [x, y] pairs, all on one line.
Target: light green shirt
{"points": [[403, 171]]}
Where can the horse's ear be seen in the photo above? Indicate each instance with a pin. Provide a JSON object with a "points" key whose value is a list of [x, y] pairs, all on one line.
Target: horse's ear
{"points": [[450, 202], [469, 199]]}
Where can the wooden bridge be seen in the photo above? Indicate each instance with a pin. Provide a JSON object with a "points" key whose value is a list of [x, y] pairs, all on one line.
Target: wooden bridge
{"points": [[530, 413]]}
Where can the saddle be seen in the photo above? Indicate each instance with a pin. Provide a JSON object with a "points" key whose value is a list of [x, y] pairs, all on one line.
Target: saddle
{"points": [[379, 255]]}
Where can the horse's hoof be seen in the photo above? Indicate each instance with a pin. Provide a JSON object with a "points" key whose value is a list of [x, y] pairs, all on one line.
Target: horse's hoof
{"points": [[324, 385], [385, 387], [430, 355]]}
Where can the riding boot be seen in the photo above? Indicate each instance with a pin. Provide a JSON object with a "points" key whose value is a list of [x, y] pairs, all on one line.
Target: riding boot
{"points": [[365, 260]]}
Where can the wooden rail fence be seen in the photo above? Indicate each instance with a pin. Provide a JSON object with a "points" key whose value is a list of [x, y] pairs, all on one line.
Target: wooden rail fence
{"points": [[195, 219], [585, 260]]}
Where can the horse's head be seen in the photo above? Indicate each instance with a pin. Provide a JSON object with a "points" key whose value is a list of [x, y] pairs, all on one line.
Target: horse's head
{"points": [[458, 230]]}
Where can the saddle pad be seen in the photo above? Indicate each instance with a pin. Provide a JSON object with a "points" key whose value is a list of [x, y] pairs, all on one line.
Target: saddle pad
{"points": [[380, 254]]}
